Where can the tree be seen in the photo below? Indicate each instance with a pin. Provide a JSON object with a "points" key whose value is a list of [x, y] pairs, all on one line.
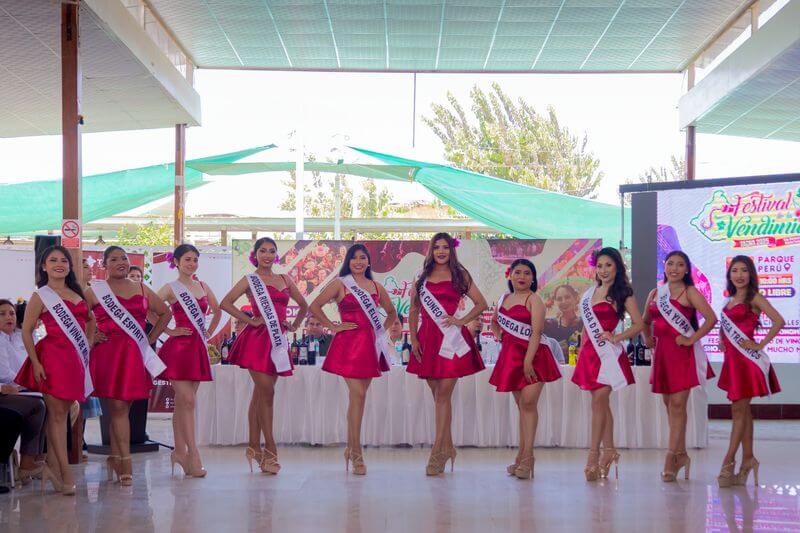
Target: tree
{"points": [[676, 172], [150, 234], [512, 141]]}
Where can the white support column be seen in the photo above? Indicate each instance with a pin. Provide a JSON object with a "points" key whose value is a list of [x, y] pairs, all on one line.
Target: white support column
{"points": [[299, 197], [754, 12], [337, 208]]}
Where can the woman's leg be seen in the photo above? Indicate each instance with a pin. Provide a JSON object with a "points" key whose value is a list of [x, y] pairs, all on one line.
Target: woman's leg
{"points": [[529, 414], [521, 445], [747, 435], [254, 421], [357, 389], [739, 410], [177, 424], [444, 413], [57, 413], [120, 427], [185, 402], [265, 385], [677, 421], [599, 413]]}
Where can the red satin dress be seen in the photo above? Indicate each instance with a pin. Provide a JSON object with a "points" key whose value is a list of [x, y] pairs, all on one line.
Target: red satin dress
{"points": [[253, 345], [508, 372], [741, 377], [116, 364], [352, 352], [433, 365], [588, 367], [186, 356], [674, 368], [62, 364]]}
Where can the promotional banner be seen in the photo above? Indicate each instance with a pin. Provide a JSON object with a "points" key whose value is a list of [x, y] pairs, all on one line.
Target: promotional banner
{"points": [[712, 225], [562, 266]]}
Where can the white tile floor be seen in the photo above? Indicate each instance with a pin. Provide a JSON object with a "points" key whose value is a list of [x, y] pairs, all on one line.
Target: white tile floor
{"points": [[313, 493]]}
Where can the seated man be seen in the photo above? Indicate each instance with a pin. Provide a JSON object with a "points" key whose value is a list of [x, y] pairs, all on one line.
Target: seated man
{"points": [[317, 333]]}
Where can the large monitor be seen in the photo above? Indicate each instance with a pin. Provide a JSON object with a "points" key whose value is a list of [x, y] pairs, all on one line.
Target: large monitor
{"points": [[713, 221]]}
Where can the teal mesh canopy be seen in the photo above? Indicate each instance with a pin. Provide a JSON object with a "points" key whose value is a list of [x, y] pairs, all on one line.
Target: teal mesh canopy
{"points": [[36, 205]]}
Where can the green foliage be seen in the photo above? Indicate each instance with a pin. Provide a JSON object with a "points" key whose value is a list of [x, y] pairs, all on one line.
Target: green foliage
{"points": [[150, 234], [510, 140], [676, 172]]}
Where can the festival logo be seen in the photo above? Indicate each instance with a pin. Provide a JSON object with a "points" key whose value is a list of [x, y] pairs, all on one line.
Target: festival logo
{"points": [[399, 292], [751, 220]]}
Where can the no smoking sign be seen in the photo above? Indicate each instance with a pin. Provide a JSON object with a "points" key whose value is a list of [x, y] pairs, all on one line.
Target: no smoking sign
{"points": [[71, 233]]}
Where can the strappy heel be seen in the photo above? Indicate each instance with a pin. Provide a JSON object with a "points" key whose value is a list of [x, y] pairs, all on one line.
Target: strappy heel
{"points": [[126, 480], [174, 459], [726, 477], [111, 468], [606, 467], [49, 475], [683, 460], [251, 455], [525, 468], [269, 462], [744, 471], [452, 457], [436, 463], [513, 466], [592, 469], [357, 460], [26, 476], [347, 459]]}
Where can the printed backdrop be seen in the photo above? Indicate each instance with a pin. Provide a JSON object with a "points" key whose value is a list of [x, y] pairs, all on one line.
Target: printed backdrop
{"points": [[714, 224]]}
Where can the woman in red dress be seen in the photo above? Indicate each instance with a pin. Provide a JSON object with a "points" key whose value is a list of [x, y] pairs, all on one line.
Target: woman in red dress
{"points": [[741, 376], [608, 301], [116, 364], [440, 289], [253, 347], [54, 366], [675, 371], [523, 365], [186, 354], [353, 353]]}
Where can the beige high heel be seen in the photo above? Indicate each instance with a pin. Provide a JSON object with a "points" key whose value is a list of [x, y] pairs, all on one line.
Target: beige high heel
{"points": [[452, 456], [606, 467], [251, 455], [26, 476], [512, 467], [525, 468], [592, 469], [174, 459], [269, 462], [726, 477], [436, 463], [347, 459], [357, 460], [111, 467], [744, 471], [49, 475], [126, 480]]}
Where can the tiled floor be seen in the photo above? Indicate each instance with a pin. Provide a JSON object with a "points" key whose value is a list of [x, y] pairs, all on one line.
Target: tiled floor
{"points": [[313, 493]]}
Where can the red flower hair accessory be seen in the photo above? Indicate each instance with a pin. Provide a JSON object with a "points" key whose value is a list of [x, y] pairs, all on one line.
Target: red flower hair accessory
{"points": [[456, 242], [171, 260], [252, 258], [508, 272]]}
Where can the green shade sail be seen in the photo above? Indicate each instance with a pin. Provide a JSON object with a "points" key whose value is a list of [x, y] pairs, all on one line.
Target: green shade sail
{"points": [[36, 205], [381, 172]]}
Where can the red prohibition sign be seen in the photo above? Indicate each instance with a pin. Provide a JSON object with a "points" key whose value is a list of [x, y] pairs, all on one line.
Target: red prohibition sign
{"points": [[70, 229]]}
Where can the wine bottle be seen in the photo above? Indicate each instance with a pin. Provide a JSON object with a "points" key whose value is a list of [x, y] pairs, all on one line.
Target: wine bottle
{"points": [[405, 355], [313, 347], [294, 350], [303, 349], [639, 351]]}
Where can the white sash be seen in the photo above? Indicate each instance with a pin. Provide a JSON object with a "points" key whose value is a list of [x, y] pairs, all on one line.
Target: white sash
{"points": [[128, 324], [453, 343], [280, 349], [610, 371], [681, 324], [71, 328], [364, 299], [190, 306], [737, 336], [519, 329]]}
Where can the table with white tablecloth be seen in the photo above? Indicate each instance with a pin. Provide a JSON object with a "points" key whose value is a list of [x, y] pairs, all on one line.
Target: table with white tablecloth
{"points": [[310, 407]]}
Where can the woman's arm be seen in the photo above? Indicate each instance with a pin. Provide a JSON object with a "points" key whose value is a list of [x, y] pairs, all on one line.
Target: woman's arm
{"points": [[636, 322], [763, 305], [699, 302], [537, 309], [329, 293], [413, 323], [300, 300], [157, 309], [479, 307], [229, 306], [213, 304], [497, 331], [647, 321], [32, 314], [386, 304]]}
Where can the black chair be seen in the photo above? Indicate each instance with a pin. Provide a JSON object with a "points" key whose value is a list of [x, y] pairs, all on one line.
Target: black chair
{"points": [[11, 424]]}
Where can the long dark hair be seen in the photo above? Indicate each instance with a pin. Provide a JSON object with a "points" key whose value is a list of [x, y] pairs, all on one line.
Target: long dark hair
{"points": [[111, 249], [71, 281], [20, 308], [458, 274], [620, 289], [261, 241], [752, 286], [688, 280], [182, 250], [345, 270], [527, 263]]}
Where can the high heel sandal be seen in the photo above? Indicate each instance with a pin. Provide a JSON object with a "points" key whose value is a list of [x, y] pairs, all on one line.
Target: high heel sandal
{"points": [[251, 455], [525, 468], [197, 472], [671, 474], [49, 475], [174, 459], [269, 462], [436, 463], [26, 476], [513, 467], [726, 477], [111, 467], [592, 469], [679, 460], [606, 467], [347, 459], [452, 457], [357, 460], [126, 480], [744, 471]]}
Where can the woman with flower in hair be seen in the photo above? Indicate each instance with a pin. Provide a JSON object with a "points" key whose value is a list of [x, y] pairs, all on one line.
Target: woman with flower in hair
{"points": [[442, 346], [602, 363], [186, 353], [262, 347], [525, 362]]}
